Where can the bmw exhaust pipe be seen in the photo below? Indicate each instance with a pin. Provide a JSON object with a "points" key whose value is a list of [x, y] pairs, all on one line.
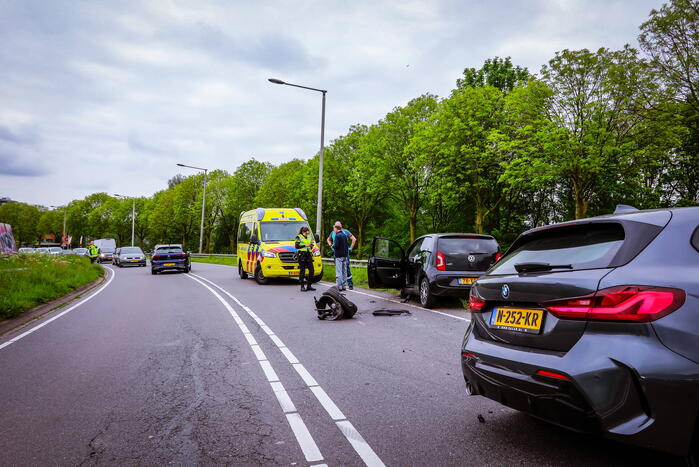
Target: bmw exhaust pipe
{"points": [[469, 389]]}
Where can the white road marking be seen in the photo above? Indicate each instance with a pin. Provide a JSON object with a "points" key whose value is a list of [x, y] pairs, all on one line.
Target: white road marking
{"points": [[400, 302], [327, 403], [39, 326], [305, 375], [304, 438], [289, 356], [283, 397], [298, 427], [362, 448], [269, 371]]}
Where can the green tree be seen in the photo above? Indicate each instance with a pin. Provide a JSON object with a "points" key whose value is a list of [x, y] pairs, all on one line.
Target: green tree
{"points": [[497, 72], [51, 223], [597, 109], [671, 39], [458, 148], [23, 218], [403, 172]]}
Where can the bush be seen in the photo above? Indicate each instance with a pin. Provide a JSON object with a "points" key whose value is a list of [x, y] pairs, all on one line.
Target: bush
{"points": [[30, 280]]}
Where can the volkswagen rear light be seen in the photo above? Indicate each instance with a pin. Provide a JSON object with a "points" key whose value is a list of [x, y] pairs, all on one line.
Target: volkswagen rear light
{"points": [[498, 256], [441, 262], [155, 257], [634, 303]]}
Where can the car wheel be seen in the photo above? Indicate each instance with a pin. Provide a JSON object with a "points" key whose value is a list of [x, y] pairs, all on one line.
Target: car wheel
{"points": [[317, 278], [426, 298], [153, 271], [259, 276], [404, 293], [241, 271]]}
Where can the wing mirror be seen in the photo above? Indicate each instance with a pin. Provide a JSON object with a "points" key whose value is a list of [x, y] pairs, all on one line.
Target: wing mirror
{"points": [[253, 239]]}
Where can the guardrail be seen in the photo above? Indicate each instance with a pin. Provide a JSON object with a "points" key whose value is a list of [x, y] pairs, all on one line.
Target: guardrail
{"points": [[360, 263]]}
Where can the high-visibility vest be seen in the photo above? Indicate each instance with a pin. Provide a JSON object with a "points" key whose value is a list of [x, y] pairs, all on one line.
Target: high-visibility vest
{"points": [[92, 250], [305, 242]]}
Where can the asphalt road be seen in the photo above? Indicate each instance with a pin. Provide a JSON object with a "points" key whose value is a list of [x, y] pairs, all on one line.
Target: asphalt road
{"points": [[206, 368]]}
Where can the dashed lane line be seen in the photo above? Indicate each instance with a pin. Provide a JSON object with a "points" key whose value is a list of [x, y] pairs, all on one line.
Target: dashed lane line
{"points": [[328, 284], [39, 326], [361, 447], [298, 427]]}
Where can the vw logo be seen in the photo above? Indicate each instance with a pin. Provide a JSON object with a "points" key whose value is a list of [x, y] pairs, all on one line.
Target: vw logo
{"points": [[471, 258], [505, 291]]}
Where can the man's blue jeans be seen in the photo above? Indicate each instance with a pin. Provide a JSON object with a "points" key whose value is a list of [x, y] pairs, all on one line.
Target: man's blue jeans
{"points": [[341, 265]]}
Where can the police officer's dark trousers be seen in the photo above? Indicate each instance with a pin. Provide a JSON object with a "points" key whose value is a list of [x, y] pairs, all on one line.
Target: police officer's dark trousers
{"points": [[306, 272]]}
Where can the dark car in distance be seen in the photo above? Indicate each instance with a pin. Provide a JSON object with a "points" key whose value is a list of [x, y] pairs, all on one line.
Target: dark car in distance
{"points": [[106, 255], [435, 265], [167, 257], [593, 325]]}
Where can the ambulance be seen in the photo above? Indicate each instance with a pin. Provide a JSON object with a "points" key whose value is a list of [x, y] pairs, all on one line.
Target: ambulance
{"points": [[266, 244]]}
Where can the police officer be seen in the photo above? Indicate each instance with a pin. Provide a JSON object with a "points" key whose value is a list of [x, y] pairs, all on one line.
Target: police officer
{"points": [[304, 245], [92, 252]]}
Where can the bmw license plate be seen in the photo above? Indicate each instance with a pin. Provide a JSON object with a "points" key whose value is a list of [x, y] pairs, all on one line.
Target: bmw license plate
{"points": [[466, 280], [134, 261], [169, 264], [517, 319]]}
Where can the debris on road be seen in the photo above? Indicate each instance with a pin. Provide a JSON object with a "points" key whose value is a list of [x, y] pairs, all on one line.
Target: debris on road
{"points": [[389, 312], [334, 305], [481, 419]]}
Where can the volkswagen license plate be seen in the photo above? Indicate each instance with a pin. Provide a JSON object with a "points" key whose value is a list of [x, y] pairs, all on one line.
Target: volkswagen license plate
{"points": [[467, 280], [169, 264], [517, 319]]}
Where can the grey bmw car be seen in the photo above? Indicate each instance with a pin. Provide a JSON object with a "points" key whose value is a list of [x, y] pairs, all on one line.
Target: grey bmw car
{"points": [[593, 325]]}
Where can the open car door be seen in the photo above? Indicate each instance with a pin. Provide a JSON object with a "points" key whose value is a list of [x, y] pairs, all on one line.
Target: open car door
{"points": [[386, 267]]}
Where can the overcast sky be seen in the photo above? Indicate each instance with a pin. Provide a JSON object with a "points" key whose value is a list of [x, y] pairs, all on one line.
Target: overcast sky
{"points": [[109, 95]]}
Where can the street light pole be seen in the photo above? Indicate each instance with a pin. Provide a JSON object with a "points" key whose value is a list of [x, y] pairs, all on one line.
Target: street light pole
{"points": [[203, 205], [319, 209], [133, 214]]}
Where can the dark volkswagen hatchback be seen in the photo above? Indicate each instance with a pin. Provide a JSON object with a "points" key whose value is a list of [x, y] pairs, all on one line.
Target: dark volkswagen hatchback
{"points": [[593, 325], [169, 257], [435, 265]]}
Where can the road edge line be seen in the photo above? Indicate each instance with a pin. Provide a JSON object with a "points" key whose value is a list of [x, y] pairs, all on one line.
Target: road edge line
{"points": [[53, 318]]}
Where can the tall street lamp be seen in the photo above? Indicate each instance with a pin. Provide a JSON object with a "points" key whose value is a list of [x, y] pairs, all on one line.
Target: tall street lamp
{"points": [[65, 213], [203, 204], [133, 213], [319, 209]]}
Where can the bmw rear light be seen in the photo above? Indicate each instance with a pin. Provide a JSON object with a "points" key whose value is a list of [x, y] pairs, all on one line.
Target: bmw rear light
{"points": [[635, 303], [475, 303], [498, 256], [441, 262]]}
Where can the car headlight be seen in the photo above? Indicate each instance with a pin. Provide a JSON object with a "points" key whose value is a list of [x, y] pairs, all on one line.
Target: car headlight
{"points": [[101, 255], [268, 254], [316, 253]]}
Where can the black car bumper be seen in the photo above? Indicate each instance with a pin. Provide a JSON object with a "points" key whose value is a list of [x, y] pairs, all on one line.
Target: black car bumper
{"points": [[169, 265], [449, 285], [639, 392]]}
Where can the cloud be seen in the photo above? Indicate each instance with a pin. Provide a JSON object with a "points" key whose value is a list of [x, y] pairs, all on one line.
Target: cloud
{"points": [[21, 136], [16, 165], [138, 86]]}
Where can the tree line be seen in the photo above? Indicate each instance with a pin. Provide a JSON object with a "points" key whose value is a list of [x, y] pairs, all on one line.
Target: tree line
{"points": [[507, 150]]}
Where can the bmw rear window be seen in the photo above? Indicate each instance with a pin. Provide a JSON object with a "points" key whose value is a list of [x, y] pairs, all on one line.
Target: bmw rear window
{"points": [[589, 246]]}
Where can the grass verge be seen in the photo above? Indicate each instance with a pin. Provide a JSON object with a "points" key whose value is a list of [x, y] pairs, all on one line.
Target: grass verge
{"points": [[30, 280], [227, 260]]}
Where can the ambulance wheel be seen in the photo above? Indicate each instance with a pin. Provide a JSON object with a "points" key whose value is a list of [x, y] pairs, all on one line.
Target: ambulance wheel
{"points": [[241, 271], [260, 277]]}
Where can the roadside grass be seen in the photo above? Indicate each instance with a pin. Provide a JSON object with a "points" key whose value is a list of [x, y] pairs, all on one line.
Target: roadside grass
{"points": [[227, 260], [30, 280]]}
